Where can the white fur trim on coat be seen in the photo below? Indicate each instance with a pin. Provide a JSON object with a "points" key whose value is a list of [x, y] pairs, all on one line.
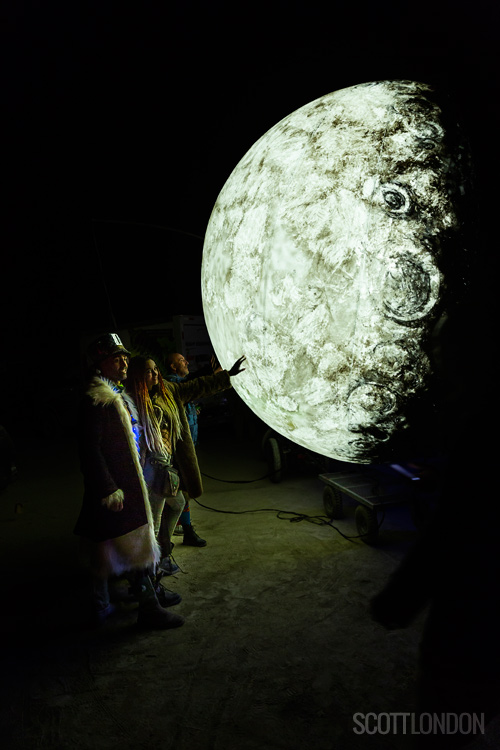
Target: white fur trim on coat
{"points": [[111, 500], [139, 548]]}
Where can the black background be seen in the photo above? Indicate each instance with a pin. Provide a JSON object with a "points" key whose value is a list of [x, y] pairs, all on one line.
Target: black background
{"points": [[124, 120]]}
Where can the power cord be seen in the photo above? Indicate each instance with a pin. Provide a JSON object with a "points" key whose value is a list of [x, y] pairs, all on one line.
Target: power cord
{"points": [[238, 481], [282, 515]]}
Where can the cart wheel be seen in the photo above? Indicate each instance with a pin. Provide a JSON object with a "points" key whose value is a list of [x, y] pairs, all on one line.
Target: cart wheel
{"points": [[263, 445], [366, 522], [274, 462], [332, 501]]}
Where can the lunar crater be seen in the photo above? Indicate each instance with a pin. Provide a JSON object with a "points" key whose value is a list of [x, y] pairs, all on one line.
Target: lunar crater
{"points": [[398, 199], [407, 289]]}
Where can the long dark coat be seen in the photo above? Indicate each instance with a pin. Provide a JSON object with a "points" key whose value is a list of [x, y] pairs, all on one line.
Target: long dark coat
{"points": [[114, 541]]}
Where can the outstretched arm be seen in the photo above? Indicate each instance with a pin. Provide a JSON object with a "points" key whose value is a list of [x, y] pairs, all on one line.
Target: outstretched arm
{"points": [[207, 385], [215, 364], [201, 387]]}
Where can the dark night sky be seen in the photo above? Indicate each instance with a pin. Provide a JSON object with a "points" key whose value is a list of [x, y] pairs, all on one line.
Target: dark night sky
{"points": [[138, 113]]}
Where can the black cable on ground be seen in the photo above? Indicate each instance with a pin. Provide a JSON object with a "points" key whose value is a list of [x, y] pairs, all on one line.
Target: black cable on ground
{"points": [[280, 514], [238, 481], [296, 517]]}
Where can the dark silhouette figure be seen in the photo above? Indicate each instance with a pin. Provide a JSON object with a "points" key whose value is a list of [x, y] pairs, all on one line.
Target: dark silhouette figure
{"points": [[454, 568]]}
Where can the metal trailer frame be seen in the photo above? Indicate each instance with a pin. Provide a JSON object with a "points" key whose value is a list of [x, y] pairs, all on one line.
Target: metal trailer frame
{"points": [[371, 490]]}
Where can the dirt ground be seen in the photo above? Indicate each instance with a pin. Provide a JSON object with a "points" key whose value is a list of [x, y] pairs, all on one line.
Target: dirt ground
{"points": [[277, 652]]}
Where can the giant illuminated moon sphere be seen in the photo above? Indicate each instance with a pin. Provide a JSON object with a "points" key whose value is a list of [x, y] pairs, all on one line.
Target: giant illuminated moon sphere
{"points": [[322, 263]]}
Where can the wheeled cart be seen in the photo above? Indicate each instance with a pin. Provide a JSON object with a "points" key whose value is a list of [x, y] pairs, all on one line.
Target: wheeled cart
{"points": [[282, 454], [373, 492]]}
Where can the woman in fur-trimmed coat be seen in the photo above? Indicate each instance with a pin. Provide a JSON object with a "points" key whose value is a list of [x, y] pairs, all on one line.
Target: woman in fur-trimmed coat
{"points": [[166, 433], [114, 542], [185, 452]]}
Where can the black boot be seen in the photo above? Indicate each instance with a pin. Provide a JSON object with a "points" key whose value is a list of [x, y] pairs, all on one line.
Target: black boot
{"points": [[165, 597], [151, 614], [167, 565], [192, 538]]}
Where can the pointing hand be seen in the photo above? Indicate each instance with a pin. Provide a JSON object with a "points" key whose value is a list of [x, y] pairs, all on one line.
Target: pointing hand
{"points": [[236, 369]]}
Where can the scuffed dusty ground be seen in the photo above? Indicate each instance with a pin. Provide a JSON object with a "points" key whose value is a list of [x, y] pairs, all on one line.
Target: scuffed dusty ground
{"points": [[277, 651]]}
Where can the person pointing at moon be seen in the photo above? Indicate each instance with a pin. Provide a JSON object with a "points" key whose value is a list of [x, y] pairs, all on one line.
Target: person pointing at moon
{"points": [[167, 439]]}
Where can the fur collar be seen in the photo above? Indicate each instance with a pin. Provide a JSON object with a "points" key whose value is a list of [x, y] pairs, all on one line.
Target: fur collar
{"points": [[104, 392]]}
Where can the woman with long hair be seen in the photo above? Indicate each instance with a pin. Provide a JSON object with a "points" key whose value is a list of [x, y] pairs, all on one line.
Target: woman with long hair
{"points": [[168, 448]]}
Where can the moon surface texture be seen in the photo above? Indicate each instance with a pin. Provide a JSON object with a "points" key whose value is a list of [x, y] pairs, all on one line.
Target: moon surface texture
{"points": [[322, 264]]}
